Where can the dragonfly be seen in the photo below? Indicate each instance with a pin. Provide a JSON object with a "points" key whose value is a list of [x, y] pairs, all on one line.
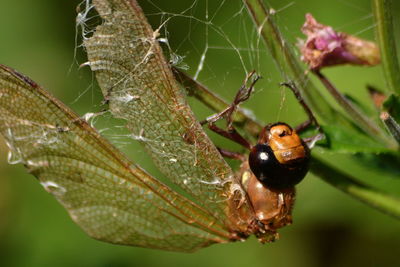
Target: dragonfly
{"points": [[109, 196]]}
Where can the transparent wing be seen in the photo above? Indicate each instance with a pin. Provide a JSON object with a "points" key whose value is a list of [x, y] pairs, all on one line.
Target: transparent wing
{"points": [[108, 196], [140, 88]]}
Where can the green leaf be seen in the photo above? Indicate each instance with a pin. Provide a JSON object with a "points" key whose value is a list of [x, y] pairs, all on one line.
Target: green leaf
{"points": [[345, 140]]}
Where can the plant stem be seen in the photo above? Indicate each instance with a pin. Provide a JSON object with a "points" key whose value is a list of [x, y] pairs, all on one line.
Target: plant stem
{"points": [[385, 38], [286, 61], [375, 198], [363, 121]]}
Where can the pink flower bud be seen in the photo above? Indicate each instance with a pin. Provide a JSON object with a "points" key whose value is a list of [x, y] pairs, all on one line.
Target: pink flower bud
{"points": [[326, 47]]}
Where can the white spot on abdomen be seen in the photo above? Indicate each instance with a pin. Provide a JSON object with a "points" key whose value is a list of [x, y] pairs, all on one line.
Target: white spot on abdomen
{"points": [[263, 156]]}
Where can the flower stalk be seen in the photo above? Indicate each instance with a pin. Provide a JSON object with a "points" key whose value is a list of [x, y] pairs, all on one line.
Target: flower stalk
{"points": [[382, 10]]}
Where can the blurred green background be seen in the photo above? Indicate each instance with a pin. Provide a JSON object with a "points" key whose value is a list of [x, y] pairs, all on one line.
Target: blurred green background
{"points": [[330, 228]]}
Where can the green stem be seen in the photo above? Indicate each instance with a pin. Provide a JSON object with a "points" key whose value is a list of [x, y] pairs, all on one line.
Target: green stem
{"points": [[286, 61], [356, 115], [375, 198], [385, 37]]}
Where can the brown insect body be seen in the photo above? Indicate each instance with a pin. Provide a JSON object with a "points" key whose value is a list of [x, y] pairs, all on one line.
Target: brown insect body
{"points": [[272, 200], [284, 142], [272, 207], [281, 158]]}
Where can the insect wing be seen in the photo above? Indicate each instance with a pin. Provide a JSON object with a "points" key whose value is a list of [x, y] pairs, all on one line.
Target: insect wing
{"points": [[139, 87], [107, 195]]}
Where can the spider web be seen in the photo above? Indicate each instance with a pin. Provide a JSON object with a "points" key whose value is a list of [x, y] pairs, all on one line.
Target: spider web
{"points": [[217, 44]]}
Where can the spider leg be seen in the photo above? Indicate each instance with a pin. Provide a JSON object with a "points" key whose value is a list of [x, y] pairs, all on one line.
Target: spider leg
{"points": [[242, 95], [311, 118], [231, 134], [310, 114], [303, 126], [231, 154]]}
